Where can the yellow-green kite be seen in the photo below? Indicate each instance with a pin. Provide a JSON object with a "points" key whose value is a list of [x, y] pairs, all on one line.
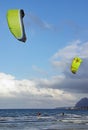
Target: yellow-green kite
{"points": [[75, 64], [15, 23]]}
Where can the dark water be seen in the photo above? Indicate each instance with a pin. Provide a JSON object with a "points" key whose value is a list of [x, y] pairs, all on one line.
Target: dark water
{"points": [[50, 119]]}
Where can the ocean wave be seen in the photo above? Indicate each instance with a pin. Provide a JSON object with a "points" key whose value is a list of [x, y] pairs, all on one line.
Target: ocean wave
{"points": [[76, 121]]}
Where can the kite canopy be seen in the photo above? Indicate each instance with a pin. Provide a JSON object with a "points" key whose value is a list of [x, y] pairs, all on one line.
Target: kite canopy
{"points": [[15, 23], [75, 64]]}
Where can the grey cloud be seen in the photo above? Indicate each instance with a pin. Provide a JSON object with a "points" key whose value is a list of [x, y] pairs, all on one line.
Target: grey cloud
{"points": [[28, 102], [34, 19], [76, 83]]}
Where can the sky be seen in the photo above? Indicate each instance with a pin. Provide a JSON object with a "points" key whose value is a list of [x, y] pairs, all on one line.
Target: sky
{"points": [[36, 74]]}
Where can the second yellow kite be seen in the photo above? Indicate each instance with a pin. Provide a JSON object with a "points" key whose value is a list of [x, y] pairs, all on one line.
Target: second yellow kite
{"points": [[75, 64]]}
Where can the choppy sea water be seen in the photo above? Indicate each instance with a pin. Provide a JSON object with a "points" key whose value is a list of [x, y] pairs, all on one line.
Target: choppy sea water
{"points": [[50, 119]]}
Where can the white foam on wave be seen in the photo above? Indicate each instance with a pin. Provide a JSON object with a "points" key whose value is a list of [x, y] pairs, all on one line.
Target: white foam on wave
{"points": [[75, 121], [74, 118]]}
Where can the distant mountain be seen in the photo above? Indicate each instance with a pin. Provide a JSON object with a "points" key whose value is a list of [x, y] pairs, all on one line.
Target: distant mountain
{"points": [[80, 105], [83, 103]]}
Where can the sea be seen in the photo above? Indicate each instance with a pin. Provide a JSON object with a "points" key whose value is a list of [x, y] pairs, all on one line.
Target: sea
{"points": [[49, 119]]}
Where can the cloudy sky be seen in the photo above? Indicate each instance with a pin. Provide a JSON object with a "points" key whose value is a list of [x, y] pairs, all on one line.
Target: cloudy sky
{"points": [[36, 74]]}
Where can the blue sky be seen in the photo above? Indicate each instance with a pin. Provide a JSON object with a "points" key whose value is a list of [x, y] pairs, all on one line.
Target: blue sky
{"points": [[38, 71]]}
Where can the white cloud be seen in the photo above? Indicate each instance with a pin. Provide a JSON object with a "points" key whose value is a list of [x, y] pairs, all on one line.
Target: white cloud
{"points": [[64, 56], [31, 92], [9, 86], [69, 51]]}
